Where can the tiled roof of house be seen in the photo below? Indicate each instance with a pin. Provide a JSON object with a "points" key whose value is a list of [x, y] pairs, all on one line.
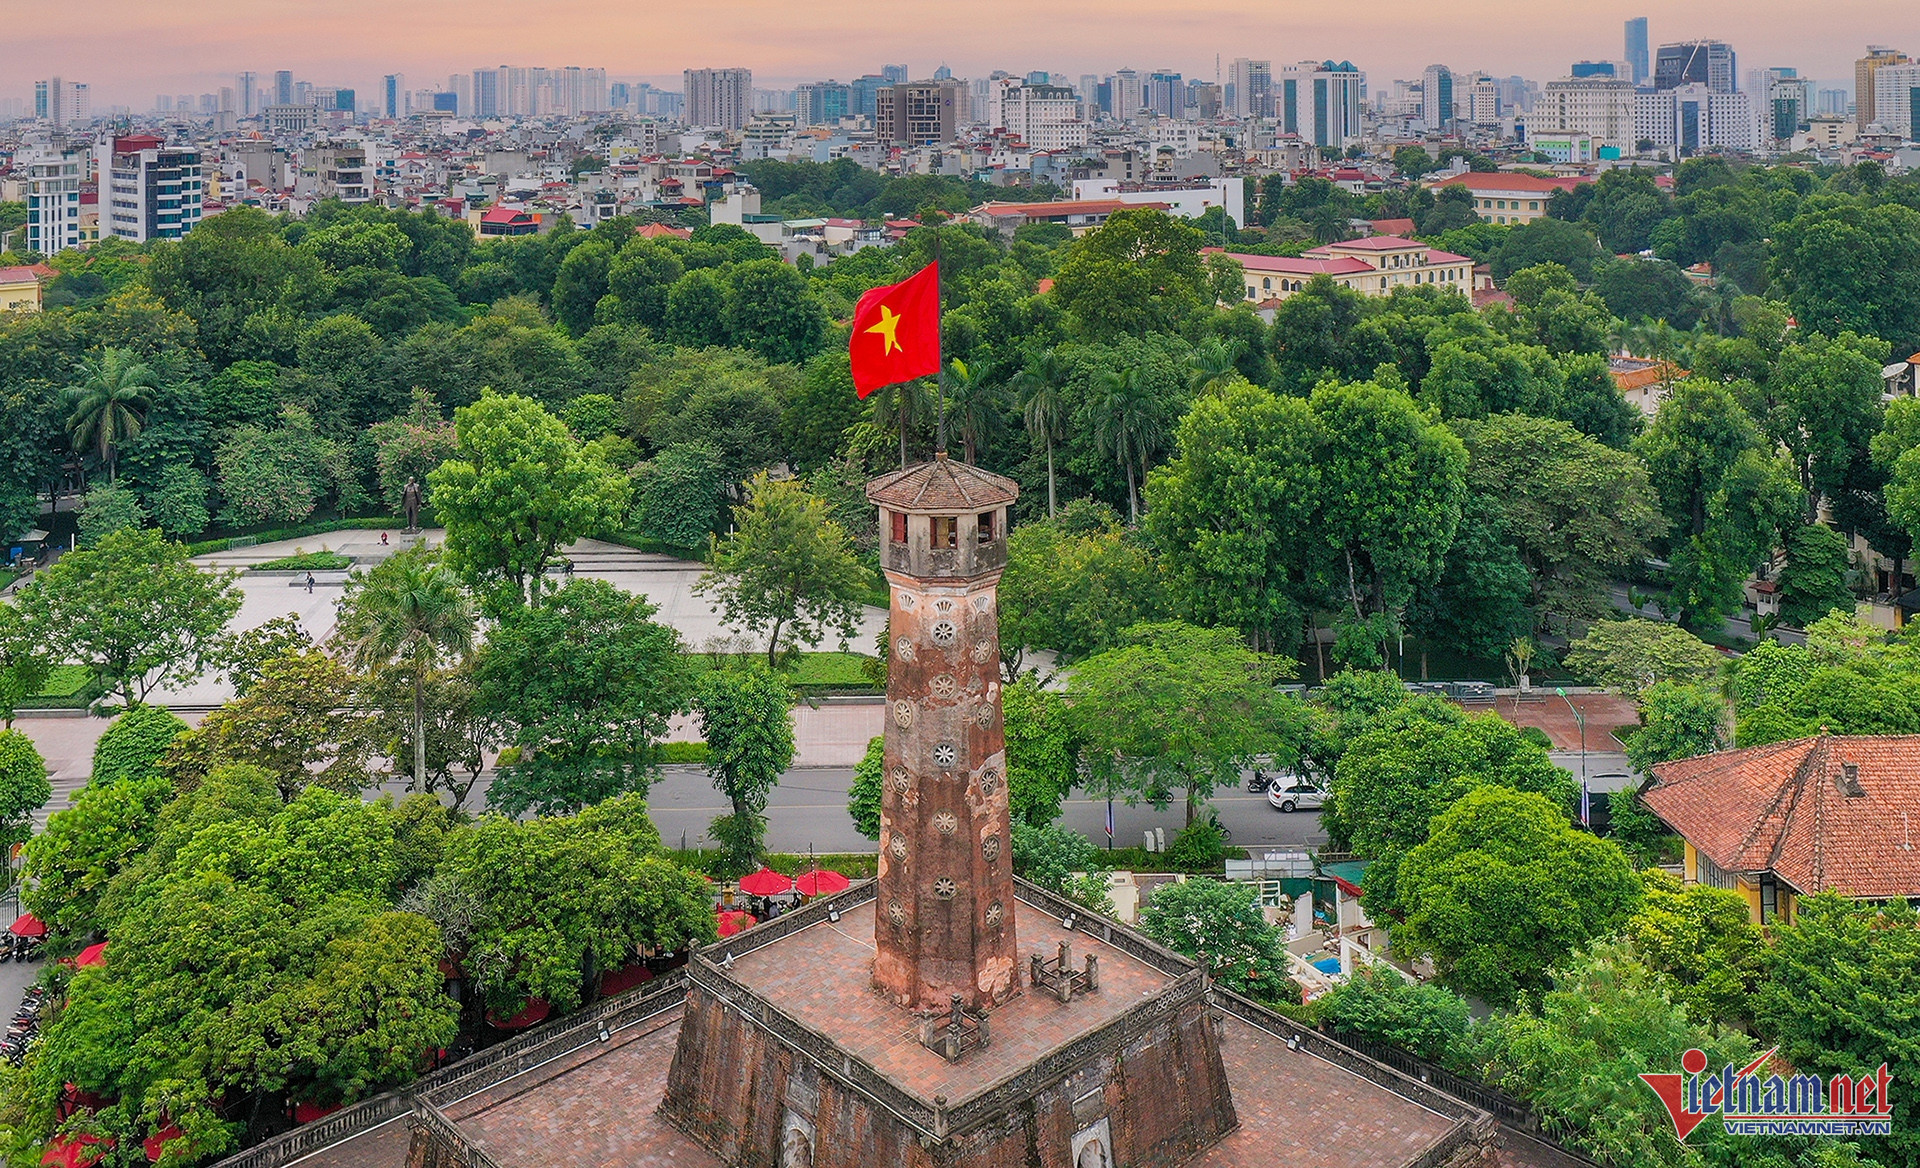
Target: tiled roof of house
{"points": [[1829, 812], [1393, 227], [1475, 180], [942, 485]]}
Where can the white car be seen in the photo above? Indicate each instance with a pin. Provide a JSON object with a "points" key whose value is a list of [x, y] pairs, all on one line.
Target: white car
{"points": [[1292, 793]]}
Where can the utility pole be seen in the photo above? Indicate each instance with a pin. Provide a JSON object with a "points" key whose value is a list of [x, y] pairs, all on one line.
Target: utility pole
{"points": [[1581, 720]]}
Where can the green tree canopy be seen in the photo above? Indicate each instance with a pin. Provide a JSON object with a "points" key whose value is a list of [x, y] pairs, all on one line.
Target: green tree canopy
{"points": [[1220, 926], [746, 717], [1504, 888], [1632, 655]]}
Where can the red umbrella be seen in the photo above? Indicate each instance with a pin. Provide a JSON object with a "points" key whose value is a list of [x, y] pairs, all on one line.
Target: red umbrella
{"points": [[92, 955], [619, 981], [732, 922], [821, 881], [766, 882], [81, 1151], [28, 926], [308, 1112], [535, 1010], [156, 1144]]}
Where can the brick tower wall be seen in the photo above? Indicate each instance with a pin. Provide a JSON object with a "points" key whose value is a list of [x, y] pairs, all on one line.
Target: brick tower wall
{"points": [[943, 922]]}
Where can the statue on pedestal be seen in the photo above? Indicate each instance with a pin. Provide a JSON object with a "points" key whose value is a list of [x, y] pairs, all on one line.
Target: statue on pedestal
{"points": [[410, 503]]}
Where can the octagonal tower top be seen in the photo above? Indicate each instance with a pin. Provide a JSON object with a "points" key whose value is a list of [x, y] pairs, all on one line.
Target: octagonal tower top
{"points": [[943, 520]]}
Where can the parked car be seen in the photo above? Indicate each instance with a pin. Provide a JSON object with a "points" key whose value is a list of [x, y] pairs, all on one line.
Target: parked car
{"points": [[1293, 793]]}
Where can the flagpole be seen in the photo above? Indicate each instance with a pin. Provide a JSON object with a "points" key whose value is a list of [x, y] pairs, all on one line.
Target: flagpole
{"points": [[940, 435]]}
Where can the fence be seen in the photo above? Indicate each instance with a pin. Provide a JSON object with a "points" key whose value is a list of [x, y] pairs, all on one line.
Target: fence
{"points": [[469, 1076], [446, 1147]]}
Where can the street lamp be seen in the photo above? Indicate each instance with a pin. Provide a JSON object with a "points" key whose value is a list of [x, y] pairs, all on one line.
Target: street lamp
{"points": [[1581, 719]]}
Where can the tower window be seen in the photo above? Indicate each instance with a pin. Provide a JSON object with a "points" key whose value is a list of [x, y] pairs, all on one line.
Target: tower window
{"points": [[946, 531], [899, 525], [986, 527]]}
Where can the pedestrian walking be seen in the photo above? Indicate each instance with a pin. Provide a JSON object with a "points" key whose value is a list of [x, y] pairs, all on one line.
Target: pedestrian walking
{"points": [[309, 583]]}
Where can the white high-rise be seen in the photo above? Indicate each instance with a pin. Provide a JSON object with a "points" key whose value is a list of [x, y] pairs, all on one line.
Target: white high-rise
{"points": [[1437, 99], [1602, 108], [152, 190], [1896, 99], [62, 102], [53, 201]]}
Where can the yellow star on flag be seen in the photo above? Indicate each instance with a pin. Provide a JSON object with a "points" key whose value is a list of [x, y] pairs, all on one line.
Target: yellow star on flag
{"points": [[889, 321]]}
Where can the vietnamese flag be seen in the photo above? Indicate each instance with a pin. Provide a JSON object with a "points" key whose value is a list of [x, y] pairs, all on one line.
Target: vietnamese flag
{"points": [[896, 332]]}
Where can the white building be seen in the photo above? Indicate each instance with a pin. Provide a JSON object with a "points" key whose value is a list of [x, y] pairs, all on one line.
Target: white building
{"points": [[1896, 99], [64, 103], [1480, 97], [1695, 117], [53, 202], [1320, 101], [1601, 108], [152, 190], [1044, 117], [1188, 202], [1437, 99]]}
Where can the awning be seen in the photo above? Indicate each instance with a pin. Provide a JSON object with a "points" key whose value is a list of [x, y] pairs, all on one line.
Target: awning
{"points": [[308, 1112], [734, 921], [156, 1144], [92, 955], [77, 1151], [28, 925], [619, 981]]}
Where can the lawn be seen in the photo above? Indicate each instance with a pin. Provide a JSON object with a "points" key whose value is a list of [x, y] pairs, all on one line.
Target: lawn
{"points": [[64, 681], [320, 561], [819, 674]]}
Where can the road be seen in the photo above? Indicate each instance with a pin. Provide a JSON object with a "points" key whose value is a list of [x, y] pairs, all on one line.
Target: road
{"points": [[809, 810]]}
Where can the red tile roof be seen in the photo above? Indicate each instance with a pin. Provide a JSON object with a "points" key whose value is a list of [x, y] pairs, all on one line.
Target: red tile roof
{"points": [[942, 485], [1790, 807], [1393, 227], [1475, 180], [1302, 265], [1066, 207]]}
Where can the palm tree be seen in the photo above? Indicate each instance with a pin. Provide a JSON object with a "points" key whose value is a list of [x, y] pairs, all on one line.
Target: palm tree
{"points": [[1212, 364], [907, 403], [976, 405], [411, 611], [1128, 424], [1043, 408], [109, 404]]}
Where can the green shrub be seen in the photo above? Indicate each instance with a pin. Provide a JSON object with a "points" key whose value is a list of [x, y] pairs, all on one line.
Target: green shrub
{"points": [[1378, 1003], [1200, 847], [134, 742], [320, 561], [683, 752]]}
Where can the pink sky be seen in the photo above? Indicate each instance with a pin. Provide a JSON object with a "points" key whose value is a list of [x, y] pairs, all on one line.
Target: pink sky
{"points": [[130, 50]]}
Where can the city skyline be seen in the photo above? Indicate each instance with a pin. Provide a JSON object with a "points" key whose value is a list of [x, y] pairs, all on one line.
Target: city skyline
{"points": [[138, 49]]}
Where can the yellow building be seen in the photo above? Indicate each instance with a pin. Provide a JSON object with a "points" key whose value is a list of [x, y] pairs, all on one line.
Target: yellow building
{"points": [[1371, 267], [1512, 199], [1790, 819], [20, 287]]}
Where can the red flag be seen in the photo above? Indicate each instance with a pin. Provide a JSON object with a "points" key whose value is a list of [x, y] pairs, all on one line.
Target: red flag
{"points": [[896, 332]]}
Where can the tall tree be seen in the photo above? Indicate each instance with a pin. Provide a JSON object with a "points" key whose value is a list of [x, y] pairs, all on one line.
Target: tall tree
{"points": [[23, 788], [134, 610], [974, 408], [1220, 925], [746, 717], [1179, 706], [109, 403], [786, 571], [1130, 424], [518, 489], [410, 613], [585, 684], [1042, 407]]}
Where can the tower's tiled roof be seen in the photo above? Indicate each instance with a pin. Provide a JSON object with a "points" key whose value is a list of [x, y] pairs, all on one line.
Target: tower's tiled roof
{"points": [[942, 485]]}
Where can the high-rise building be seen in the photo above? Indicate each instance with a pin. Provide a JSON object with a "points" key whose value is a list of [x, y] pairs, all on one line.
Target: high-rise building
{"points": [[895, 74], [823, 103], [1251, 83], [53, 201], [1878, 57], [1481, 96], [1600, 108], [246, 93], [918, 113], [1708, 63], [1292, 97], [1165, 94], [1045, 117], [863, 89], [1128, 96], [486, 93], [1831, 103], [1335, 95], [1896, 99], [283, 88], [393, 96], [1594, 69], [1637, 49], [1785, 100], [62, 102], [1695, 117], [719, 98], [1436, 99], [151, 191]]}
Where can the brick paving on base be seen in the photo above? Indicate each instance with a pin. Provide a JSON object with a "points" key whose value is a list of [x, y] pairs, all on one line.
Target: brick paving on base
{"points": [[595, 1109], [1548, 711], [821, 977]]}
